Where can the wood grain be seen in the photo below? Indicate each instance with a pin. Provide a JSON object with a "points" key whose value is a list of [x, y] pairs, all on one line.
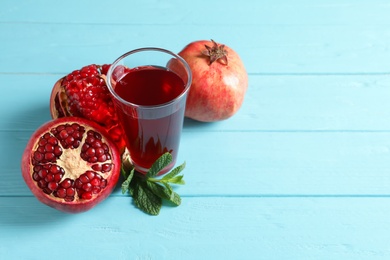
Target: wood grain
{"points": [[231, 228]]}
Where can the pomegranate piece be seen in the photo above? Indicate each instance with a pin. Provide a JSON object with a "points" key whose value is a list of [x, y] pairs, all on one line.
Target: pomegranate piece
{"points": [[219, 81], [71, 164], [83, 93]]}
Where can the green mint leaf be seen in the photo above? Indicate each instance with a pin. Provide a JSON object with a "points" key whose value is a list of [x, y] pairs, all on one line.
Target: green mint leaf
{"points": [[149, 191], [146, 200], [174, 172], [167, 186], [159, 190], [177, 180], [133, 184], [126, 183], [165, 192], [124, 173], [175, 199], [159, 164]]}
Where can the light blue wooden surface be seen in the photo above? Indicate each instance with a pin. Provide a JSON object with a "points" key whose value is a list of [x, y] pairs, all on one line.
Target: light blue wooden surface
{"points": [[302, 171]]}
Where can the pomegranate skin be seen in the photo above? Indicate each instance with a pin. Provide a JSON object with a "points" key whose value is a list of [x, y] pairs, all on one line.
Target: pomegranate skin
{"points": [[78, 205], [218, 89]]}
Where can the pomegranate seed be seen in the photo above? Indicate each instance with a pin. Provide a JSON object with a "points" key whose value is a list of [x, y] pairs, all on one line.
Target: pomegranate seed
{"points": [[61, 193], [96, 190], [77, 135], [50, 157], [42, 184], [90, 152], [90, 174], [57, 177], [97, 167], [69, 199], [49, 178], [92, 159], [38, 156], [42, 142], [86, 195], [47, 190], [99, 151], [53, 141], [84, 179], [70, 192], [87, 186], [69, 129], [64, 134], [66, 183], [106, 167], [55, 168], [95, 182], [42, 173], [52, 185], [102, 158], [76, 144], [97, 144], [78, 184], [36, 176], [75, 126], [85, 147], [69, 140], [49, 148], [90, 139], [97, 135], [57, 151]]}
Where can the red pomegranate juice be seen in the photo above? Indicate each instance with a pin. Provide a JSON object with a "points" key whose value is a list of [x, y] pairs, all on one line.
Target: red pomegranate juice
{"points": [[153, 132]]}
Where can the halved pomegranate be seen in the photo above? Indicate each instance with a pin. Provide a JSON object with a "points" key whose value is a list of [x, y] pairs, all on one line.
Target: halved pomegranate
{"points": [[83, 93], [71, 164]]}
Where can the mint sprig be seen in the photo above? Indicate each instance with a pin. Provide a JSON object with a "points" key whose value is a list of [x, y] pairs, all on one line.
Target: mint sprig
{"points": [[149, 191]]}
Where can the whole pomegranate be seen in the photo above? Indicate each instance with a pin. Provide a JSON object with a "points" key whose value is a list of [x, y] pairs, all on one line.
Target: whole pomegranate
{"points": [[219, 81], [71, 164], [84, 93]]}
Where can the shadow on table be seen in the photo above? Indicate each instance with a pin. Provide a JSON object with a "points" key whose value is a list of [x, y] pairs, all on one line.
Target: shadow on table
{"points": [[190, 124], [15, 138], [28, 212]]}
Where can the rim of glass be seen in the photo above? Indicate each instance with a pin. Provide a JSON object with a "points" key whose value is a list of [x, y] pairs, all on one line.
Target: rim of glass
{"points": [[150, 49]]}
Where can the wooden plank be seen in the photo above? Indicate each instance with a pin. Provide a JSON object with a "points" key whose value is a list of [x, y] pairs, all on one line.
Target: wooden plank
{"points": [[201, 228], [306, 49], [272, 103], [249, 12], [259, 163]]}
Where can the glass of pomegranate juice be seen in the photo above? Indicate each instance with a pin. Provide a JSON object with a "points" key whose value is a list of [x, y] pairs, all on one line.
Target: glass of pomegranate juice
{"points": [[149, 87]]}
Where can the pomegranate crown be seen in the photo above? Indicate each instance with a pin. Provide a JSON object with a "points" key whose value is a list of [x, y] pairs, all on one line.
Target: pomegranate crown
{"points": [[216, 52]]}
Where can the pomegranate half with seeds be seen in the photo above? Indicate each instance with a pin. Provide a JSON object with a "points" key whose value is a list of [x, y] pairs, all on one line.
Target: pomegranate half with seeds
{"points": [[84, 93], [71, 164]]}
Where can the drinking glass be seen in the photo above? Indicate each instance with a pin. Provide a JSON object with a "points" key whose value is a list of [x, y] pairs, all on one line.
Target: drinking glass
{"points": [[149, 88]]}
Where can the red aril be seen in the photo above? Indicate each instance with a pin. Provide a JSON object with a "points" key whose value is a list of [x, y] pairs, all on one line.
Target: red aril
{"points": [[219, 81], [84, 93], [71, 164]]}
